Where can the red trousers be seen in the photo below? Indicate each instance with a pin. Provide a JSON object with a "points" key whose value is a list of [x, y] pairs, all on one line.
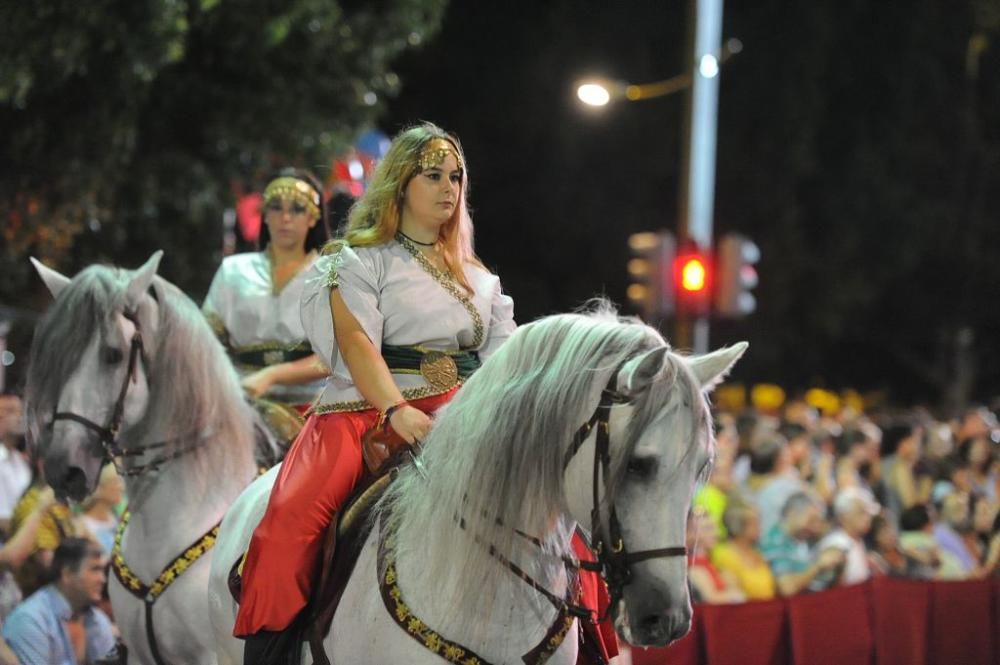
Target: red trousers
{"points": [[318, 475]]}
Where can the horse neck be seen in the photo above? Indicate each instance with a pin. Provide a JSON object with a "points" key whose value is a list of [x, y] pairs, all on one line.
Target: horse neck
{"points": [[523, 610], [188, 495]]}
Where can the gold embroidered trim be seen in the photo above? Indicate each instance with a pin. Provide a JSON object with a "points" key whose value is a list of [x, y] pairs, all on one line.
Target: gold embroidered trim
{"points": [[331, 279], [218, 327], [447, 281], [363, 405], [442, 646], [175, 569]]}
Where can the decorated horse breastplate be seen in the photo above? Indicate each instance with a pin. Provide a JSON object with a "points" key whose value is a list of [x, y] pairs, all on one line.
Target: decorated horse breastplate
{"points": [[453, 652]]}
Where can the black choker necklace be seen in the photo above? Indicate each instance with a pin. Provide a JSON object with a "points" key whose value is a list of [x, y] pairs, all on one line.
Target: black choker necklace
{"points": [[417, 242]]}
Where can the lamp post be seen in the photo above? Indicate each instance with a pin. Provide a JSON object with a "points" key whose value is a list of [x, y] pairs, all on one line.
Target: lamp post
{"points": [[697, 190]]}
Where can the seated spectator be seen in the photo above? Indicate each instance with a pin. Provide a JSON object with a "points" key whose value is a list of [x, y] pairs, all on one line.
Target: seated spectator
{"points": [[740, 557], [15, 551], [787, 546], [15, 471], [854, 455], [99, 516], [951, 529], [991, 566], [708, 584], [854, 509], [978, 452], [774, 476], [901, 450], [887, 557], [955, 478], [56, 525], [917, 538], [58, 624]]}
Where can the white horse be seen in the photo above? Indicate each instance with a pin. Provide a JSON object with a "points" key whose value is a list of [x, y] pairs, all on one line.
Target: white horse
{"points": [[513, 456], [123, 364]]}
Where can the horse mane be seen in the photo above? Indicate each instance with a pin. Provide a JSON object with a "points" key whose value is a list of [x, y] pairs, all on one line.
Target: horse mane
{"points": [[194, 390], [495, 453]]}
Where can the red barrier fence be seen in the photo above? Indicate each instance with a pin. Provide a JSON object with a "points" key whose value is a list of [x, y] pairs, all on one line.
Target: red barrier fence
{"points": [[883, 622]]}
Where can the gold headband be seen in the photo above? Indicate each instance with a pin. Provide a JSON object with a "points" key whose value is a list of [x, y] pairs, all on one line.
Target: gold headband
{"points": [[287, 188], [434, 154]]}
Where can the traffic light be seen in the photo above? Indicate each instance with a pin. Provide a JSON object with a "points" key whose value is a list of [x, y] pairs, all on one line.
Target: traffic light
{"points": [[737, 276], [651, 291], [692, 278]]}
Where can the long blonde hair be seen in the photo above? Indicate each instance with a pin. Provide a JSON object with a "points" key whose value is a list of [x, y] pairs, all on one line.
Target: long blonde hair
{"points": [[374, 219]]}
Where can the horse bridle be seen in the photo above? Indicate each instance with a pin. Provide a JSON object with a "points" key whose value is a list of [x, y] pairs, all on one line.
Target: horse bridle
{"points": [[614, 561], [108, 433]]}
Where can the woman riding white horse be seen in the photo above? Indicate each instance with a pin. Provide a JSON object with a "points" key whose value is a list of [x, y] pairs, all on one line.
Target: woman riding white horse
{"points": [[577, 419]]}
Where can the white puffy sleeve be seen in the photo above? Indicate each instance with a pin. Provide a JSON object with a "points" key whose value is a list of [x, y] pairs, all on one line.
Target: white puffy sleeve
{"points": [[358, 283], [501, 322], [216, 304]]}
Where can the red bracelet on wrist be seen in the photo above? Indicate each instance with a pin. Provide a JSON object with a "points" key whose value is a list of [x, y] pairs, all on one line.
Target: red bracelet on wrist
{"points": [[386, 414]]}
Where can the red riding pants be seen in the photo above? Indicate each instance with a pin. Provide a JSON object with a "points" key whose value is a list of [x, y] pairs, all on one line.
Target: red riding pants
{"points": [[318, 475]]}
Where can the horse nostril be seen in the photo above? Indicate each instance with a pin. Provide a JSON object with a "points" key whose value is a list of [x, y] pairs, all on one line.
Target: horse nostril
{"points": [[651, 624], [74, 484]]}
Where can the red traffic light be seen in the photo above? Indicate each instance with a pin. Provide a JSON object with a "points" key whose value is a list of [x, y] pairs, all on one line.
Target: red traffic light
{"points": [[692, 274]]}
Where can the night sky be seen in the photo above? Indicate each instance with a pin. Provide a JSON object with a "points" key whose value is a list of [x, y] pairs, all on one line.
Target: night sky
{"points": [[815, 163]]}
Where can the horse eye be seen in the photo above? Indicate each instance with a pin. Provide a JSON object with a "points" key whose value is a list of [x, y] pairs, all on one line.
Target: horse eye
{"points": [[642, 467], [111, 355]]}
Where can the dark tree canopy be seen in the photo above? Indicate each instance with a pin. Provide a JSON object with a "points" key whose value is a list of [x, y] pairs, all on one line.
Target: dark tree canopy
{"points": [[125, 123]]}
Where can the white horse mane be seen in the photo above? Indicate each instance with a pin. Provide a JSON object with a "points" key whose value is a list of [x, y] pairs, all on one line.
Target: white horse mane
{"points": [[194, 390], [495, 453]]}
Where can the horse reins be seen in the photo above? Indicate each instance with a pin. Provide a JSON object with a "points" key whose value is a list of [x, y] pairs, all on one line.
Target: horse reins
{"points": [[614, 561]]}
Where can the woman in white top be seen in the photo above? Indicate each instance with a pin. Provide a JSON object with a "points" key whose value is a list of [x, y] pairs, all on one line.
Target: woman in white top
{"points": [[253, 302], [401, 311]]}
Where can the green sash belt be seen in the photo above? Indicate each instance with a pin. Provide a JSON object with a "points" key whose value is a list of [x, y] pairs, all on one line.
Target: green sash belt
{"points": [[268, 357], [410, 359]]}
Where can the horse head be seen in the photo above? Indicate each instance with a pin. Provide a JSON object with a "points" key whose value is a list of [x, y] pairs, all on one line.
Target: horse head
{"points": [[89, 379], [659, 443]]}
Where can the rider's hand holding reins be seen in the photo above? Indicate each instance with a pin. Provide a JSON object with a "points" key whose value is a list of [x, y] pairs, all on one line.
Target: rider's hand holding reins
{"points": [[410, 423]]}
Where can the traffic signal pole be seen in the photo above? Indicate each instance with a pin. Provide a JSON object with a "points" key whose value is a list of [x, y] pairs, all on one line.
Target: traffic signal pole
{"points": [[697, 195]]}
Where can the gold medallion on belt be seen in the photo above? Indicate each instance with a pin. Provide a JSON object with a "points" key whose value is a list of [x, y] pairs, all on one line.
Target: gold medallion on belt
{"points": [[439, 369]]}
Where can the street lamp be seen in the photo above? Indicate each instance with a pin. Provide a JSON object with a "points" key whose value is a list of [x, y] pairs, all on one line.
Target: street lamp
{"points": [[602, 91]]}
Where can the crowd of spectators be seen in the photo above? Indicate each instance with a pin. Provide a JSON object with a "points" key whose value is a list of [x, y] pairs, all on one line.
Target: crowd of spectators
{"points": [[53, 561], [798, 502]]}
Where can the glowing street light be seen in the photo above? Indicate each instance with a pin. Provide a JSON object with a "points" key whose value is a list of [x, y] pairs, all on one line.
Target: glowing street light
{"points": [[593, 94]]}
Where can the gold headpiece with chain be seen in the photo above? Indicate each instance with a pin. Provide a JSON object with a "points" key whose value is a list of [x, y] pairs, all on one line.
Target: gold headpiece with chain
{"points": [[287, 188], [435, 152]]}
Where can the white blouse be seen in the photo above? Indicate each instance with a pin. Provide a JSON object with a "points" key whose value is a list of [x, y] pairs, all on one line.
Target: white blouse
{"points": [[400, 299], [243, 309]]}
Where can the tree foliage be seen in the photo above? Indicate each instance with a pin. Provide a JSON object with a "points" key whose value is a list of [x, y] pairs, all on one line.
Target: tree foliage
{"points": [[125, 123]]}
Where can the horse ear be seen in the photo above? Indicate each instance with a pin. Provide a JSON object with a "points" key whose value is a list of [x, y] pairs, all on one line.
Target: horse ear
{"points": [[639, 372], [142, 279], [54, 281], [712, 367]]}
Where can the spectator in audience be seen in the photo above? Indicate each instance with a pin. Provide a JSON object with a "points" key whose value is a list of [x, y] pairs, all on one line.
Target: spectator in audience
{"points": [[992, 564], [954, 524], [977, 451], [854, 453], [15, 471], [956, 478], [787, 546], [775, 478], [854, 509], [901, 450], [58, 624], [99, 516], [17, 549], [707, 582], [740, 555], [917, 537], [887, 557]]}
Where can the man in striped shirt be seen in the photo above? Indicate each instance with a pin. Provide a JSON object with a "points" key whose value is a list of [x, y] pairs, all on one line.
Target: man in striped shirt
{"points": [[59, 624]]}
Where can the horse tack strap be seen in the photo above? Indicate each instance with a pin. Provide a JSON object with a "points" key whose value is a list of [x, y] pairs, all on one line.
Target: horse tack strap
{"points": [[149, 594], [453, 652], [392, 597]]}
